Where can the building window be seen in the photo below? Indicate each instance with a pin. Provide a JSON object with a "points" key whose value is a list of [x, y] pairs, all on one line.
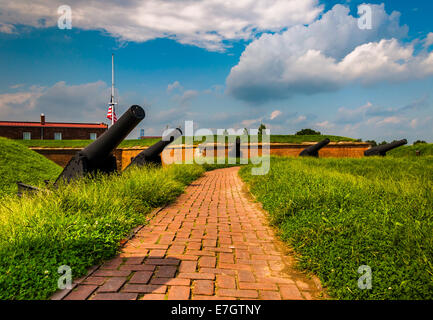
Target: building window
{"points": [[93, 136], [57, 136], [27, 135]]}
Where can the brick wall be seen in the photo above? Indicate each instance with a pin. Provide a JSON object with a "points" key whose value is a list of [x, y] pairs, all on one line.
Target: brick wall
{"points": [[48, 133]]}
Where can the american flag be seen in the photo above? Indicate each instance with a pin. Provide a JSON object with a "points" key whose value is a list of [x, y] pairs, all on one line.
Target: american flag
{"points": [[110, 113]]}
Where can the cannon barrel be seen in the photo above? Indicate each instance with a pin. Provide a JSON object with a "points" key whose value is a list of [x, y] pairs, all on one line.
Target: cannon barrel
{"points": [[110, 139], [313, 151], [98, 155], [383, 149], [152, 154]]}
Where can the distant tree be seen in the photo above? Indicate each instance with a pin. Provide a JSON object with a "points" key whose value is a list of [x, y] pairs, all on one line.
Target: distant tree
{"points": [[225, 133], [245, 131], [372, 142], [308, 132], [261, 128], [382, 143], [419, 142]]}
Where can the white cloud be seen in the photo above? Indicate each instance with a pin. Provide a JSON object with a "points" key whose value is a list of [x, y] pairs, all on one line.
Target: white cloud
{"points": [[173, 86], [60, 102], [7, 28], [275, 114], [428, 41], [326, 55], [205, 23], [187, 96]]}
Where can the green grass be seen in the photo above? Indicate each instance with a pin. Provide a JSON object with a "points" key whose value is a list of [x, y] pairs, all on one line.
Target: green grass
{"points": [[339, 214], [78, 225], [410, 151], [18, 163], [84, 143], [150, 141]]}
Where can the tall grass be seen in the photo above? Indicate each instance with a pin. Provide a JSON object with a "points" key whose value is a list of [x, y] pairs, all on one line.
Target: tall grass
{"points": [[339, 214], [78, 225]]}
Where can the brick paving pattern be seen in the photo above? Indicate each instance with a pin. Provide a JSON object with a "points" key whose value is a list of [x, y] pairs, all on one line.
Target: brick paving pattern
{"points": [[212, 243]]}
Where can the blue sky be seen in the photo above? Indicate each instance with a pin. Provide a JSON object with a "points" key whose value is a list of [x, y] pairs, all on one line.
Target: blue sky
{"points": [[224, 67]]}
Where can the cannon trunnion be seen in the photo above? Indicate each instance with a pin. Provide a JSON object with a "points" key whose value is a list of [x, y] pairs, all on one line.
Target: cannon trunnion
{"points": [[98, 155], [313, 151], [383, 149]]}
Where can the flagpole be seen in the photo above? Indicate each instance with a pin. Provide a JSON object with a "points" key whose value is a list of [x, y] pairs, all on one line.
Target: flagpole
{"points": [[112, 89]]}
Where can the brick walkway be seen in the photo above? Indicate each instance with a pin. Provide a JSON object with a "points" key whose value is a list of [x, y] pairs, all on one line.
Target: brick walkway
{"points": [[212, 243]]}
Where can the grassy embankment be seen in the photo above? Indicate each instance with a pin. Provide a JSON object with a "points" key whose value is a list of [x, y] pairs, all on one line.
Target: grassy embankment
{"points": [[150, 141], [18, 163], [426, 149], [78, 225], [339, 214]]}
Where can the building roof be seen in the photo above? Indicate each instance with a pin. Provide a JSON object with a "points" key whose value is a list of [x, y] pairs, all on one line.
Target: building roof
{"points": [[53, 125]]}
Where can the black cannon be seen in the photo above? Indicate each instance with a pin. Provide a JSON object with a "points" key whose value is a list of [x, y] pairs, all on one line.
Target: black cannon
{"points": [[383, 149], [313, 151], [152, 154], [98, 155], [235, 151]]}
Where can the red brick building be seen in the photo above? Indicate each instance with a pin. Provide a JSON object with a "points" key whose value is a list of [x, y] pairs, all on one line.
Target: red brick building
{"points": [[51, 130]]}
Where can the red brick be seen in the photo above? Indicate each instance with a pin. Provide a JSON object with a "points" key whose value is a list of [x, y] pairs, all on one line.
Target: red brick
{"points": [[269, 295], [203, 287], [171, 281], [112, 273], [112, 284], [197, 275], [163, 262], [138, 267], [290, 292], [238, 293], [226, 282], [95, 280], [141, 277], [178, 293], [166, 271], [134, 260], [257, 286], [153, 296], [207, 262], [144, 288], [82, 292], [226, 257], [188, 266], [115, 296], [246, 276]]}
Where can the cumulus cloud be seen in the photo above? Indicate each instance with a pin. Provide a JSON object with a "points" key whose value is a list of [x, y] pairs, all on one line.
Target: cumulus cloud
{"points": [[205, 23], [60, 102], [325, 56]]}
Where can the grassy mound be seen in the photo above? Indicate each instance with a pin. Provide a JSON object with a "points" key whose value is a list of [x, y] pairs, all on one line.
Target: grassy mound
{"points": [[18, 163], [426, 149], [340, 214], [78, 225], [150, 141]]}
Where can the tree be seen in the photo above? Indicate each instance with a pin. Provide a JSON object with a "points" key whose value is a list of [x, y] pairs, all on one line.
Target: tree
{"points": [[308, 132], [382, 143], [419, 142], [245, 131], [261, 128], [225, 133], [372, 142]]}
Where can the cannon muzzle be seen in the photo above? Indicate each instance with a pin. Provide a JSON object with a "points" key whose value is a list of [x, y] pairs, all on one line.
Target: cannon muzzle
{"points": [[313, 151], [383, 149], [152, 154], [98, 155]]}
